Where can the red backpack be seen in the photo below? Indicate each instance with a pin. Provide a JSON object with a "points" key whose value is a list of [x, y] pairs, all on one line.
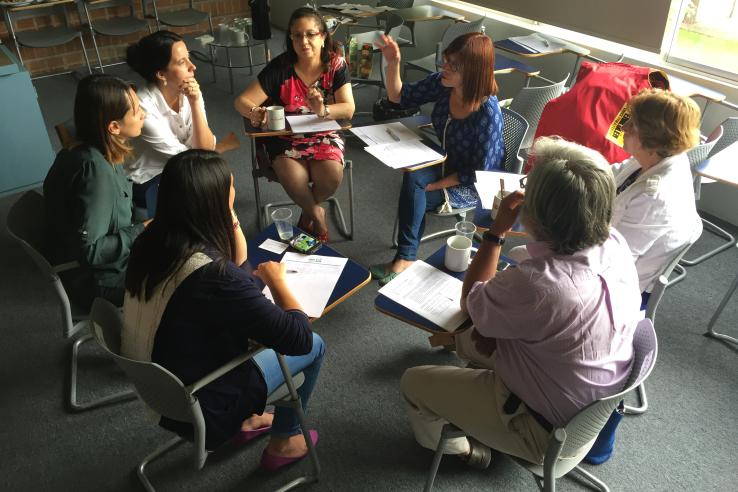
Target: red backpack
{"points": [[593, 112]]}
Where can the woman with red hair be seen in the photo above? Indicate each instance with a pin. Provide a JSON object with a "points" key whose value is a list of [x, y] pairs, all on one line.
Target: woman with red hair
{"points": [[467, 119]]}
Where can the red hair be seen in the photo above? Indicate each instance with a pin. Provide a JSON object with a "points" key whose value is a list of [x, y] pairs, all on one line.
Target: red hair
{"points": [[475, 55]]}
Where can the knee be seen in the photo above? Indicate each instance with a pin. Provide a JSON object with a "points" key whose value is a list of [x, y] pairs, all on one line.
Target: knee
{"points": [[411, 380], [318, 347]]}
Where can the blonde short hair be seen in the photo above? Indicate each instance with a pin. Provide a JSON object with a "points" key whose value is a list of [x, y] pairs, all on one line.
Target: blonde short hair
{"points": [[667, 123], [569, 195]]}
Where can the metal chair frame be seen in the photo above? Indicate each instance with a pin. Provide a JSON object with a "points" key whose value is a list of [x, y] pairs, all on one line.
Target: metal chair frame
{"points": [[711, 325], [577, 437], [165, 394], [39, 38], [116, 26], [529, 103], [696, 155], [26, 226]]}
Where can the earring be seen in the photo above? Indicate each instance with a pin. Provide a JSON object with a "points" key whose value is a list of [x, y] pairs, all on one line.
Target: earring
{"points": [[165, 82]]}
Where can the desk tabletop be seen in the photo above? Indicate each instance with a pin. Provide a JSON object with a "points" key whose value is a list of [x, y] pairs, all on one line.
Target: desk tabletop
{"points": [[422, 13], [513, 47], [722, 167], [352, 279], [254, 132], [687, 88], [504, 64], [391, 308]]}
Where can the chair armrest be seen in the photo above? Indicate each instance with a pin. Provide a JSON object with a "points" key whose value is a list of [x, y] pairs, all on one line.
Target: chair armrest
{"points": [[209, 378]]}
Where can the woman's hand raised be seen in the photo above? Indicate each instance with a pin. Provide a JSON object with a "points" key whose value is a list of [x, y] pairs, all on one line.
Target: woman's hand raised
{"points": [[389, 48]]}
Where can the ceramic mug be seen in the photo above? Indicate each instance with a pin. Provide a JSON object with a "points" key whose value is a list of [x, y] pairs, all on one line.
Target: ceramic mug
{"points": [[275, 117], [458, 253]]}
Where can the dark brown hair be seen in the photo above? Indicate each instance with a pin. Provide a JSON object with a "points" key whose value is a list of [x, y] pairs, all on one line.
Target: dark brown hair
{"points": [[152, 53], [475, 55], [101, 99], [192, 215], [327, 51]]}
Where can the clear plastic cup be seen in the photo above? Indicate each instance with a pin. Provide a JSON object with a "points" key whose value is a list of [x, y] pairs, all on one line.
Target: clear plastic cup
{"points": [[466, 229], [282, 218]]}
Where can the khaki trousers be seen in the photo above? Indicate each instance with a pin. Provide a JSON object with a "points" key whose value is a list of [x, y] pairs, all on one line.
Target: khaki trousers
{"points": [[472, 400]]}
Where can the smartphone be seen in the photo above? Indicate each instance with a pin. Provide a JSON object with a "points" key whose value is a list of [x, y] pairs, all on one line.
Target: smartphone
{"points": [[305, 243]]}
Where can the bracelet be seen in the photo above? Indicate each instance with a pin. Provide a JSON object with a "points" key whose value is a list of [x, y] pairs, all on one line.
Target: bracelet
{"points": [[253, 109]]}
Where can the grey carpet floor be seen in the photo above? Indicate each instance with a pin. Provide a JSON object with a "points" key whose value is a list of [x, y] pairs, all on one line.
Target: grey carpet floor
{"points": [[687, 440]]}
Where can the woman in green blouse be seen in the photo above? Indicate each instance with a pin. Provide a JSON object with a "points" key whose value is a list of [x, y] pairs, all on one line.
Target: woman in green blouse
{"points": [[89, 214]]}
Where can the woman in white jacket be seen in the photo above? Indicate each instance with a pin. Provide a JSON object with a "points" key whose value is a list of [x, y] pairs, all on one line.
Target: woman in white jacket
{"points": [[655, 208]]}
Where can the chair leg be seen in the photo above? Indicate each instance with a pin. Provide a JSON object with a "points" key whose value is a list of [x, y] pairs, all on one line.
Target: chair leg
{"points": [[212, 57], [106, 400], [729, 241], [641, 392], [97, 50], [596, 482], [449, 431], [158, 453], [295, 403], [84, 53], [711, 325], [395, 231]]}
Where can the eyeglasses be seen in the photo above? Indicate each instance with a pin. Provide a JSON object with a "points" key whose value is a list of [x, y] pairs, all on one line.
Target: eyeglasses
{"points": [[523, 180], [311, 35], [452, 67]]}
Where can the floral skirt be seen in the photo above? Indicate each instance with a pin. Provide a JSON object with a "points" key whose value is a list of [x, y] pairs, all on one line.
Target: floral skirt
{"points": [[325, 146]]}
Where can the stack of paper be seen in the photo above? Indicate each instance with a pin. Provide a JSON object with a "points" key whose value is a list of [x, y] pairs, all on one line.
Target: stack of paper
{"points": [[311, 279], [395, 145], [311, 123], [430, 293], [537, 43], [488, 185]]}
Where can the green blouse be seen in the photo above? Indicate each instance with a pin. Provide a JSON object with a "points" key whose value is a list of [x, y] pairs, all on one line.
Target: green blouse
{"points": [[89, 217]]}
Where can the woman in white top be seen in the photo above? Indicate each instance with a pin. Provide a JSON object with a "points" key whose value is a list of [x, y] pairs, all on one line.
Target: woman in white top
{"points": [[655, 209], [175, 112]]}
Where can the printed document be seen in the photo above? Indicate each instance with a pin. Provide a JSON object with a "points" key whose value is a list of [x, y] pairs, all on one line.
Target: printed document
{"points": [[404, 154], [384, 134], [488, 185], [538, 43], [311, 279], [430, 293], [311, 123]]}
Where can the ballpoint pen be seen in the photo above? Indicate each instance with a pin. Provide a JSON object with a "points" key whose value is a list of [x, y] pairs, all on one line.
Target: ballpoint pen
{"points": [[392, 134]]}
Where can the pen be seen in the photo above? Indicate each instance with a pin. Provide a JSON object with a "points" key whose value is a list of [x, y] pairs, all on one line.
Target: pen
{"points": [[392, 134], [292, 271], [545, 43]]}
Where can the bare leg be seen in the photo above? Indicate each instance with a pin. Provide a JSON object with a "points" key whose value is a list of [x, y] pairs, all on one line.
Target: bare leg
{"points": [[294, 177], [326, 177]]}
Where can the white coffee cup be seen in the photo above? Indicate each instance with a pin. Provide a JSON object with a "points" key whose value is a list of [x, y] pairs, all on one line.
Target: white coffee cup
{"points": [[275, 117], [458, 253], [497, 201]]}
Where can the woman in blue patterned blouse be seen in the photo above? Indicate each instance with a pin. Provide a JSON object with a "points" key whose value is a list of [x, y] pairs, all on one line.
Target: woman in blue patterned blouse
{"points": [[467, 119]]}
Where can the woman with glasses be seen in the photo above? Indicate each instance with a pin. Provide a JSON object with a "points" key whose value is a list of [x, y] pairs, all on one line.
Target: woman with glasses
{"points": [[175, 112], [309, 77], [87, 195], [468, 122]]}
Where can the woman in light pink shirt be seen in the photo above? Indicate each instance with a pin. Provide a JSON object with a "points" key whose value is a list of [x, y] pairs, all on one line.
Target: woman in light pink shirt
{"points": [[555, 333]]}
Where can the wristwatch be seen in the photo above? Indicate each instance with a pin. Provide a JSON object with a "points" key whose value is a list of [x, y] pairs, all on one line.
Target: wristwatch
{"points": [[494, 238], [326, 111]]}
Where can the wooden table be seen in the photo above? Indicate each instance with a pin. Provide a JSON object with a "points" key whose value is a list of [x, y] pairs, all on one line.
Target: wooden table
{"points": [[352, 279], [722, 167]]}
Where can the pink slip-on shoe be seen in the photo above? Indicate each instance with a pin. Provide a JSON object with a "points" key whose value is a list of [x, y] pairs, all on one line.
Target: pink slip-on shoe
{"points": [[273, 463]]}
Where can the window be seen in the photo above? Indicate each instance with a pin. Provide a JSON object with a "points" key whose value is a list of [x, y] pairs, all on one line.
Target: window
{"points": [[706, 37]]}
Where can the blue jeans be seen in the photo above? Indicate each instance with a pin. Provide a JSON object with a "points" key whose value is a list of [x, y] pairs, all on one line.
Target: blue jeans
{"points": [[285, 419], [414, 203], [146, 194]]}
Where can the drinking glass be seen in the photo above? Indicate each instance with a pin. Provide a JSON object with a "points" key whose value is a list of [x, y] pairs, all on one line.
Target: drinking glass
{"points": [[282, 218]]}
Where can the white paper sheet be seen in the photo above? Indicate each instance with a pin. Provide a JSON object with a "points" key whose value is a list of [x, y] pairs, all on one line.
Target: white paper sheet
{"points": [[384, 133], [488, 185], [311, 279], [537, 43], [403, 154], [274, 246], [311, 123], [429, 292]]}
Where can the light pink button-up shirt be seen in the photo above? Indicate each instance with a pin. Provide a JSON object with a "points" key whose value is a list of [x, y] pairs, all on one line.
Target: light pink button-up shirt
{"points": [[564, 325]]}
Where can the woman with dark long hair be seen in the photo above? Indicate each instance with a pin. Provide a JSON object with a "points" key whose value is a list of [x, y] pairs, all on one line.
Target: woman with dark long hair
{"points": [[87, 195], [190, 308], [175, 111], [467, 119], [309, 77]]}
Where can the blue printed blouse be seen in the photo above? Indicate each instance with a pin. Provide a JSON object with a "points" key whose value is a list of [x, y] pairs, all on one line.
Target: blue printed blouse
{"points": [[472, 144]]}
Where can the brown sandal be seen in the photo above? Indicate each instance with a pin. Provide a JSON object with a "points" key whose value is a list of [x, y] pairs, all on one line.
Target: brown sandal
{"points": [[480, 455]]}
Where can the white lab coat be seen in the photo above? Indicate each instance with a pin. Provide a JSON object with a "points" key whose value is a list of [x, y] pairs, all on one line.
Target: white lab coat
{"points": [[656, 214]]}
